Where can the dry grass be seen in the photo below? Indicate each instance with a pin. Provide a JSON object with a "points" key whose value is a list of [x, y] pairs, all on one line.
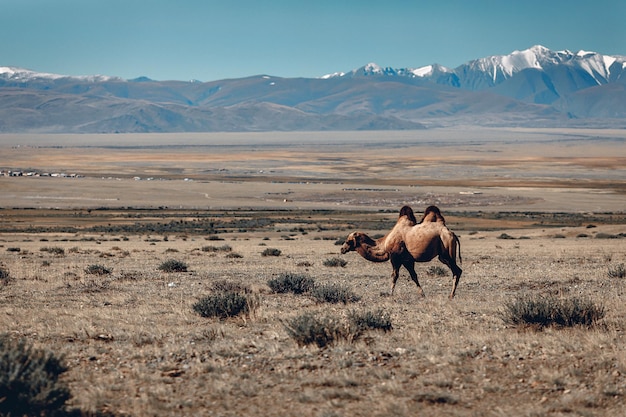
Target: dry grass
{"points": [[135, 346]]}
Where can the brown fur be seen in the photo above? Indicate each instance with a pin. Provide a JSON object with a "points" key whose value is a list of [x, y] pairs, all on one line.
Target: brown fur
{"points": [[432, 214], [408, 243]]}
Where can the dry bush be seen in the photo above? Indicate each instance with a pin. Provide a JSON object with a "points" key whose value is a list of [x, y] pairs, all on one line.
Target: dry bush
{"points": [[96, 269], [293, 283], [225, 304], [310, 328], [334, 293], [334, 262], [543, 311], [371, 320], [223, 248], [172, 265], [29, 381], [54, 250], [271, 252], [617, 271]]}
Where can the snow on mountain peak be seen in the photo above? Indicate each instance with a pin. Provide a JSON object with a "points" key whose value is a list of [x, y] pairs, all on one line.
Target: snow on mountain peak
{"points": [[25, 75]]}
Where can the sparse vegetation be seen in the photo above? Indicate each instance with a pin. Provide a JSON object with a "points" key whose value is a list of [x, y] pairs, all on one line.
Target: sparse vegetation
{"points": [[173, 265], [334, 293], [271, 252], [96, 269], [293, 283], [617, 271], [543, 311], [54, 250], [309, 328], [335, 262], [371, 320], [223, 248], [29, 381], [225, 304], [324, 330], [436, 270]]}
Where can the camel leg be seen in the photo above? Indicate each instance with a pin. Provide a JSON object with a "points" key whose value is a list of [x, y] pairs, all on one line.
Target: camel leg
{"points": [[456, 273], [395, 263], [410, 266]]}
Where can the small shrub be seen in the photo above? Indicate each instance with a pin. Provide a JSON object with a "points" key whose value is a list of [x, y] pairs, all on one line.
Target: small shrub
{"points": [[230, 286], [617, 271], [4, 273], [436, 270], [308, 329], [293, 283], [603, 235], [234, 255], [334, 262], [13, 249], [223, 248], [505, 236], [172, 265], [54, 250], [29, 381], [550, 311], [96, 269], [371, 320], [334, 293], [271, 252], [223, 305]]}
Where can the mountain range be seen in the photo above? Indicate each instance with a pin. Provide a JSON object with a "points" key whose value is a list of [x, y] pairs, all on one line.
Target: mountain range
{"points": [[534, 87]]}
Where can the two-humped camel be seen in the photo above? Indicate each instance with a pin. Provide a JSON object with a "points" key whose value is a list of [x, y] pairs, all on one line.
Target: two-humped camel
{"points": [[411, 241]]}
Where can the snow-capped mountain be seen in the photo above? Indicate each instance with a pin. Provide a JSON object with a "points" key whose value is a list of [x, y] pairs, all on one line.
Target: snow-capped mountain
{"points": [[533, 87], [24, 75], [548, 74]]}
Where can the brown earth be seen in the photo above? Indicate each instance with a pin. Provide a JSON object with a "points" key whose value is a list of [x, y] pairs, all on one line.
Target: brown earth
{"points": [[135, 346]]}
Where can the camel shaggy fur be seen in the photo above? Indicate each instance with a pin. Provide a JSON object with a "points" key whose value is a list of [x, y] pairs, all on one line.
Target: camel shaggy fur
{"points": [[410, 241]]}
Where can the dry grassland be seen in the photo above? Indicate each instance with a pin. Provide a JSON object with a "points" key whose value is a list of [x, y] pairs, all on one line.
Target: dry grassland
{"points": [[135, 346]]}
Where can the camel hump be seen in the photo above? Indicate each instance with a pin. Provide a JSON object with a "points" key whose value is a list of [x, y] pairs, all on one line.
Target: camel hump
{"points": [[432, 214], [408, 212]]}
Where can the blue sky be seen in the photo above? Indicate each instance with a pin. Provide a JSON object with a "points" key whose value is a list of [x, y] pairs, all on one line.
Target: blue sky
{"points": [[210, 40]]}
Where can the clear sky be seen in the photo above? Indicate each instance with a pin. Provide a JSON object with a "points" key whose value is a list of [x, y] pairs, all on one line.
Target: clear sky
{"points": [[209, 40]]}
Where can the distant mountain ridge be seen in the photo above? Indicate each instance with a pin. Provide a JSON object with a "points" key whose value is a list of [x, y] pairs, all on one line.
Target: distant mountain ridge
{"points": [[533, 87]]}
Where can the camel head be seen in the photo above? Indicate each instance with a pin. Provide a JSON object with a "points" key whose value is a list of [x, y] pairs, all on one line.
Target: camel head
{"points": [[355, 240], [351, 243]]}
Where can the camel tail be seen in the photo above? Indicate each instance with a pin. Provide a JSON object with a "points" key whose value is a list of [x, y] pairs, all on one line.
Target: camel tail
{"points": [[458, 242]]}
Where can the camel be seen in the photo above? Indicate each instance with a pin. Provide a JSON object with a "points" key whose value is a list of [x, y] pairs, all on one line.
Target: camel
{"points": [[410, 241]]}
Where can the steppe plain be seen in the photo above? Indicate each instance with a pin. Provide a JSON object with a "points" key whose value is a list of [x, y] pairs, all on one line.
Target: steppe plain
{"points": [[538, 212]]}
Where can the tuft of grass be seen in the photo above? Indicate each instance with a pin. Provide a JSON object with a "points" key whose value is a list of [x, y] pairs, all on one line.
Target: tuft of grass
{"points": [[334, 293], [96, 269], [223, 248], [308, 328], [617, 271], [54, 250], [371, 320], [271, 252], [436, 270], [293, 283], [29, 381], [230, 286], [335, 262], [4, 273], [542, 312], [172, 265], [14, 249], [505, 236], [225, 304]]}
